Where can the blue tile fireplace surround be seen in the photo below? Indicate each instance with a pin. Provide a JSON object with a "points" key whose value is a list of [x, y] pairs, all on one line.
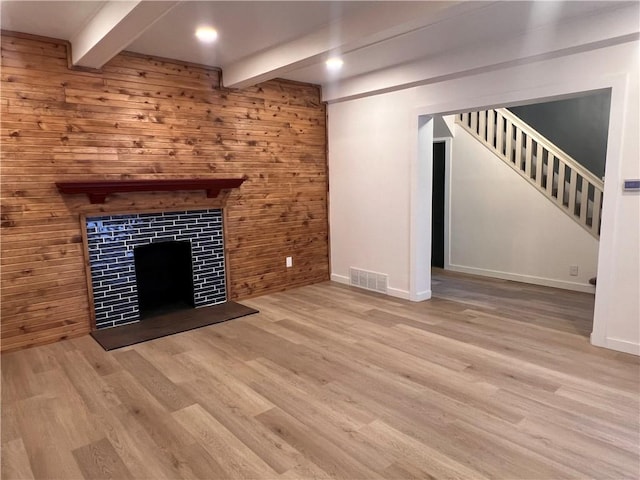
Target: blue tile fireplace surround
{"points": [[111, 241]]}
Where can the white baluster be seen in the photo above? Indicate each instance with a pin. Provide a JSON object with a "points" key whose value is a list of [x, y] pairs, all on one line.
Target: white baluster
{"points": [[508, 148], [595, 219], [550, 160], [518, 156], [573, 179], [500, 134], [491, 127], [561, 171], [482, 131], [527, 157], [539, 165], [584, 201], [474, 122]]}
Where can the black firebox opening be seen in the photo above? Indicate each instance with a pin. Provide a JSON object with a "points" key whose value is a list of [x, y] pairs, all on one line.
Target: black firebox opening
{"points": [[164, 276]]}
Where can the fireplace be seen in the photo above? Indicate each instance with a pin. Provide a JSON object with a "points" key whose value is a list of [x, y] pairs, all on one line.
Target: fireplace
{"points": [[143, 264], [164, 277]]}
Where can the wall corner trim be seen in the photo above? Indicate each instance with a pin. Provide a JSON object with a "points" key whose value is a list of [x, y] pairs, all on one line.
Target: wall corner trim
{"points": [[420, 296]]}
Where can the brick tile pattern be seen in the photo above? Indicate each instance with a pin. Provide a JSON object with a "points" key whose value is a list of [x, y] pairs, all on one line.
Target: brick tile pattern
{"points": [[111, 240]]}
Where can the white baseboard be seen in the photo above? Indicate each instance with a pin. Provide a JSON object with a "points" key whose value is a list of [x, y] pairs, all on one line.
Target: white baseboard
{"points": [[396, 292], [392, 292], [517, 277], [617, 344], [340, 279]]}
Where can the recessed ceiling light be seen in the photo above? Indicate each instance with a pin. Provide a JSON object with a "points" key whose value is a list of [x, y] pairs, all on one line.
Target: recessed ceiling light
{"points": [[334, 64], [206, 34]]}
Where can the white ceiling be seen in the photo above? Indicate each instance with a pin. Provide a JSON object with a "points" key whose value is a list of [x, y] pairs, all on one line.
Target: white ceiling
{"points": [[244, 28], [487, 23], [259, 40], [49, 19]]}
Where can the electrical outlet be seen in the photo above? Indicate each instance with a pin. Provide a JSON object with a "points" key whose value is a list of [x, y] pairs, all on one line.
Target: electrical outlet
{"points": [[573, 270], [289, 262]]}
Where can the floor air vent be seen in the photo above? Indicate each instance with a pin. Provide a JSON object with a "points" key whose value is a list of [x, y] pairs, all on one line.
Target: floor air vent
{"points": [[369, 280]]}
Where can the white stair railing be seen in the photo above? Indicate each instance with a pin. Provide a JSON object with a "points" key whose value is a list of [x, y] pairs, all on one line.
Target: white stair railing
{"points": [[570, 186]]}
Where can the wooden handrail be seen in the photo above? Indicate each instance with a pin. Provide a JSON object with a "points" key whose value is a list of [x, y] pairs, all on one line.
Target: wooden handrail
{"points": [[97, 191]]}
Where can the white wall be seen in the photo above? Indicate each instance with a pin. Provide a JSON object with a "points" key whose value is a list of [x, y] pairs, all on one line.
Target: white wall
{"points": [[501, 226], [369, 188], [378, 178]]}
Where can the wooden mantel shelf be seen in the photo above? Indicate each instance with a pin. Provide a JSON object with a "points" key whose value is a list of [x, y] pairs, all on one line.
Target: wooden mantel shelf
{"points": [[98, 191]]}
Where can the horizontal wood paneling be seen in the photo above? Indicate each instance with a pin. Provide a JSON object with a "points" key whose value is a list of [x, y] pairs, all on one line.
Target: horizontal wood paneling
{"points": [[144, 117]]}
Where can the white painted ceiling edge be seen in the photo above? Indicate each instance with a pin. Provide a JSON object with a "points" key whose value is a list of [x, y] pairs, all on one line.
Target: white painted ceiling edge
{"points": [[386, 45], [581, 33]]}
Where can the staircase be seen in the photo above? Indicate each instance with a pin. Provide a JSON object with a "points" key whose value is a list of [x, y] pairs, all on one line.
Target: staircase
{"points": [[560, 178]]}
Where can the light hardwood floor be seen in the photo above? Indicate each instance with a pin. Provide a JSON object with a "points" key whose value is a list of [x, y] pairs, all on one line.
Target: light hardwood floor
{"points": [[489, 379]]}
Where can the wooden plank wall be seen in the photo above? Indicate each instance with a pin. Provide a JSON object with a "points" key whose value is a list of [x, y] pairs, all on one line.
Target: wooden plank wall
{"points": [[149, 118]]}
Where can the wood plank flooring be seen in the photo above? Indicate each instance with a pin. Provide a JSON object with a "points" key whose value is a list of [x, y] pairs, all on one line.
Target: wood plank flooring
{"points": [[489, 379]]}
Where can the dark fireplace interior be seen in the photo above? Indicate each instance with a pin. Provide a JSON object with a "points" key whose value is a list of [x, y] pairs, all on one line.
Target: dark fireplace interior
{"points": [[164, 277]]}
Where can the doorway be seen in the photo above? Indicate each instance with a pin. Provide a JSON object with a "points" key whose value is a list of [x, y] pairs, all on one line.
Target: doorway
{"points": [[438, 206]]}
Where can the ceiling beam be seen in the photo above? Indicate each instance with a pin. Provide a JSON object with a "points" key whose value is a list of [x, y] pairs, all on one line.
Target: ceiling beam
{"points": [[382, 21], [113, 28]]}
